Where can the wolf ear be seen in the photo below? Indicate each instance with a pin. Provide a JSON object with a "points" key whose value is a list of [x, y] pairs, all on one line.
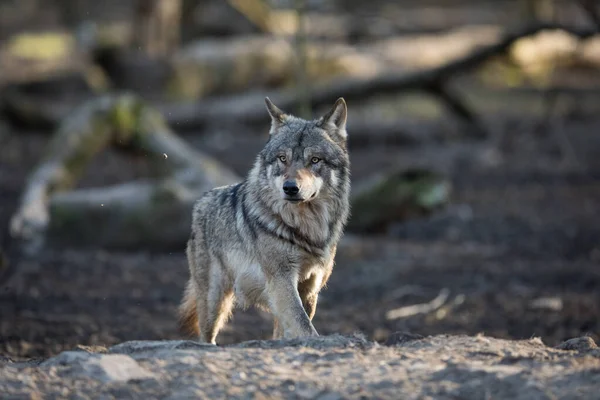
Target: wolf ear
{"points": [[278, 117], [335, 120]]}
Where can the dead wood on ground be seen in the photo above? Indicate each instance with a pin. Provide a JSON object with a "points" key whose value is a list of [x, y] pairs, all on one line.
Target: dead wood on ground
{"points": [[110, 214]]}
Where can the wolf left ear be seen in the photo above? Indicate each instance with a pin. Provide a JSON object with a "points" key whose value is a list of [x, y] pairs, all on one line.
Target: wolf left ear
{"points": [[335, 120], [278, 117]]}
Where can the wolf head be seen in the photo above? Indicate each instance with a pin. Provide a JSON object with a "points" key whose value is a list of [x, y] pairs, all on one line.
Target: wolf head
{"points": [[306, 160]]}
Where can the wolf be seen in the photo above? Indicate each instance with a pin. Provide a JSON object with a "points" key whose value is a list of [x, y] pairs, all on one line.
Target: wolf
{"points": [[270, 240]]}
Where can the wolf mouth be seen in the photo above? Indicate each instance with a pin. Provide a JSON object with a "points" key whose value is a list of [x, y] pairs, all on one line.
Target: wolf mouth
{"points": [[300, 199]]}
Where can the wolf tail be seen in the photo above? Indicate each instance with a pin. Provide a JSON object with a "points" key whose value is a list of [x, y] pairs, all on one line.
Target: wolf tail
{"points": [[188, 316]]}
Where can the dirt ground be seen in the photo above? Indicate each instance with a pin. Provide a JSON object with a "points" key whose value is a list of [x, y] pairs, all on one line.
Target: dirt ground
{"points": [[518, 250], [326, 368]]}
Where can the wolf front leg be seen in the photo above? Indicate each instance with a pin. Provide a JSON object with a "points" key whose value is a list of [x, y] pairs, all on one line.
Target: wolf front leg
{"points": [[287, 306]]}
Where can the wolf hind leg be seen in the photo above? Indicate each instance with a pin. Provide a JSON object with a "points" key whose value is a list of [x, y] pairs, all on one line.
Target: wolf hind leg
{"points": [[188, 311], [197, 290], [309, 302], [218, 306], [193, 304], [309, 294]]}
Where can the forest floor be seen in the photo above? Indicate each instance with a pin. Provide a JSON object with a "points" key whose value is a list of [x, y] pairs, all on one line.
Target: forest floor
{"points": [[518, 251]]}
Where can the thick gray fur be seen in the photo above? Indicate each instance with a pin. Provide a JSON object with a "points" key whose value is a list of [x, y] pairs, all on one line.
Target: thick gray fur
{"points": [[254, 244]]}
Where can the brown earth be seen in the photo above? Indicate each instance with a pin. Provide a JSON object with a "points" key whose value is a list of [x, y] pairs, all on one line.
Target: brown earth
{"points": [[518, 250]]}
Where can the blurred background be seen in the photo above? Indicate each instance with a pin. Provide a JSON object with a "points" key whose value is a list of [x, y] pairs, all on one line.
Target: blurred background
{"points": [[474, 134]]}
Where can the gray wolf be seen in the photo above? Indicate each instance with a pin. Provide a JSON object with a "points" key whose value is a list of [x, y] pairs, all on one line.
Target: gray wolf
{"points": [[270, 240]]}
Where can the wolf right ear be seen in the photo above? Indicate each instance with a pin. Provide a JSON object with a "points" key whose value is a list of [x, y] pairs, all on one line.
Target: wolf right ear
{"points": [[335, 120], [278, 117]]}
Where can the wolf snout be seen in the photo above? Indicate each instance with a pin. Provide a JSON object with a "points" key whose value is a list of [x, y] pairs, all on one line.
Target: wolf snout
{"points": [[290, 188]]}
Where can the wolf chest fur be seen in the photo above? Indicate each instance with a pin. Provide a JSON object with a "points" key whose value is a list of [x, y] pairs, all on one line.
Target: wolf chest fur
{"points": [[270, 240]]}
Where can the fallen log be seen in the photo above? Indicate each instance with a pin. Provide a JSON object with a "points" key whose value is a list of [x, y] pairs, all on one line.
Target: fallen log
{"points": [[124, 121], [155, 216], [154, 213], [397, 196]]}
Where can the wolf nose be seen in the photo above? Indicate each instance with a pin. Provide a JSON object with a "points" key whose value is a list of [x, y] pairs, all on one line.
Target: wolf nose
{"points": [[290, 188]]}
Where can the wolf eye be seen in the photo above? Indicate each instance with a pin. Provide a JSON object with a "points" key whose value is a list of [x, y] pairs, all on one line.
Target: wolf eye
{"points": [[315, 160], [282, 159]]}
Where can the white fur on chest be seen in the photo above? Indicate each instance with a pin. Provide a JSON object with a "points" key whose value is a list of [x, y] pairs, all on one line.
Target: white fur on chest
{"points": [[249, 281]]}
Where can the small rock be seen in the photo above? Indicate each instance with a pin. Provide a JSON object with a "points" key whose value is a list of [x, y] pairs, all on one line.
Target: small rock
{"points": [[67, 358], [114, 367], [101, 367], [583, 343], [399, 338]]}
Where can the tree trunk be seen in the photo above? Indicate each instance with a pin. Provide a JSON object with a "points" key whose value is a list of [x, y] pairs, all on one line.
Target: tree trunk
{"points": [[157, 26]]}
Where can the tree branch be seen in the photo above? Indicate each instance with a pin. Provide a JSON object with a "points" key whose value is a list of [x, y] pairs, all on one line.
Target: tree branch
{"points": [[246, 108], [458, 108]]}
